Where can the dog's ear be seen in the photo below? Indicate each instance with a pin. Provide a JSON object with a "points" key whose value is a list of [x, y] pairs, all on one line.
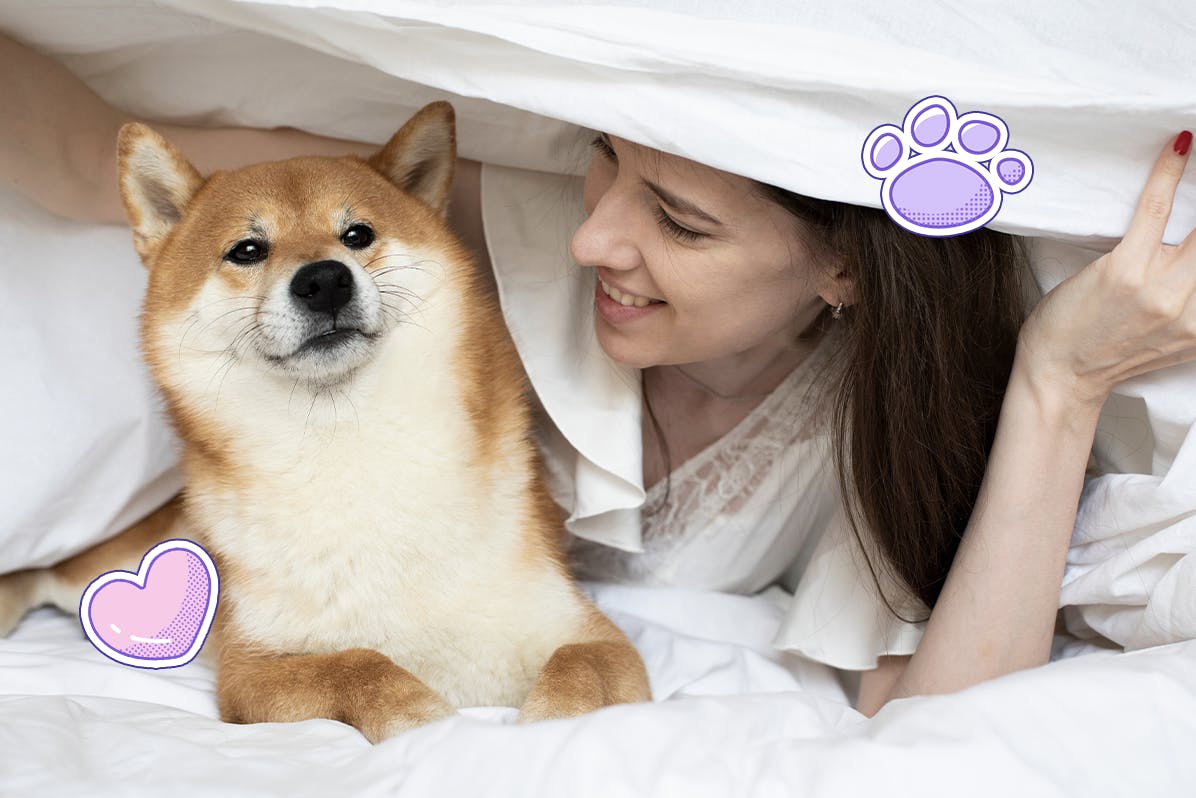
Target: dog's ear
{"points": [[421, 157], [156, 183]]}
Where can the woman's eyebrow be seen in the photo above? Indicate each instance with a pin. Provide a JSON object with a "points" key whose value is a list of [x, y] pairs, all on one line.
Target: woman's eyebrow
{"points": [[680, 205]]}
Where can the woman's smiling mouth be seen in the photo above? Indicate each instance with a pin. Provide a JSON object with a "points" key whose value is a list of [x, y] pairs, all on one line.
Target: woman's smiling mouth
{"points": [[617, 307], [624, 298]]}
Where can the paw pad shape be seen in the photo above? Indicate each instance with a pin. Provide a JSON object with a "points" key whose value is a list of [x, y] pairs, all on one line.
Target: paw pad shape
{"points": [[944, 174]]}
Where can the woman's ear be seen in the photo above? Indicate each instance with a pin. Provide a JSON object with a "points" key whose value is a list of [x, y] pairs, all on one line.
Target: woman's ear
{"points": [[838, 286]]}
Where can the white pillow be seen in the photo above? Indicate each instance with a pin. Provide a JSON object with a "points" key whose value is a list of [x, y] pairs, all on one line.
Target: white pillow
{"points": [[85, 448]]}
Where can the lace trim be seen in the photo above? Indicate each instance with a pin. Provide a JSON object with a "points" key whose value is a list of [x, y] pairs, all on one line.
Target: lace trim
{"points": [[716, 482]]}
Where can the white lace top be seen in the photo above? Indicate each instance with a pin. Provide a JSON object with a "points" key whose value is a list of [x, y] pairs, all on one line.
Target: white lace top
{"points": [[759, 507]]}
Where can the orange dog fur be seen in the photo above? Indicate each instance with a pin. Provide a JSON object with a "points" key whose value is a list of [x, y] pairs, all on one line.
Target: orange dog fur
{"points": [[357, 448]]}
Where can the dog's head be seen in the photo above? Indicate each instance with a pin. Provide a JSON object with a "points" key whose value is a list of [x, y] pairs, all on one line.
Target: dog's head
{"points": [[301, 267]]}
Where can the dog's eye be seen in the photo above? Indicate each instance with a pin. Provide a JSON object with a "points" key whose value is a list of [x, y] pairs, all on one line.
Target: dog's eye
{"points": [[358, 236], [247, 251]]}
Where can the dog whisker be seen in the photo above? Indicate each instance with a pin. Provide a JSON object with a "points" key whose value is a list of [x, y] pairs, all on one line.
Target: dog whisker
{"points": [[307, 421], [222, 370], [414, 301], [418, 265], [241, 341], [197, 317], [356, 414], [183, 337], [238, 298], [291, 398], [393, 317], [248, 311], [377, 258], [232, 357], [255, 303], [403, 318]]}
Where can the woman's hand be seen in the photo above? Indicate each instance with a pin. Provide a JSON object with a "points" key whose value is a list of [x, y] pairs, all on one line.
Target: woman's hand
{"points": [[1126, 313]]}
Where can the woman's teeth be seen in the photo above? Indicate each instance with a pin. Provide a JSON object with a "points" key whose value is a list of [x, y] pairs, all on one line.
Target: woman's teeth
{"points": [[626, 300]]}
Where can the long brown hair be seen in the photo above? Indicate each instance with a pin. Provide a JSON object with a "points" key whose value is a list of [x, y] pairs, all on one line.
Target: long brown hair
{"points": [[923, 361]]}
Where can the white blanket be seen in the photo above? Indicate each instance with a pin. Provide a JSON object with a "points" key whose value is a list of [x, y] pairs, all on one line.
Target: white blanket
{"points": [[732, 717]]}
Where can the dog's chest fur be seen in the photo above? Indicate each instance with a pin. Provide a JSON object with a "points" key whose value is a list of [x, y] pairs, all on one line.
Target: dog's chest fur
{"points": [[364, 519]]}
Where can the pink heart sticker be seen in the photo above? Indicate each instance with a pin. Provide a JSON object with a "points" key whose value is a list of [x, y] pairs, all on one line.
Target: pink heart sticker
{"points": [[158, 617]]}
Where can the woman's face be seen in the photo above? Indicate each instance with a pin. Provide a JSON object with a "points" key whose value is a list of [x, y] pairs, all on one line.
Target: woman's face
{"points": [[692, 265]]}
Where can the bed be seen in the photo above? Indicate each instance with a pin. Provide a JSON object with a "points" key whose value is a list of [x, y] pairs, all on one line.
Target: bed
{"points": [[88, 453], [730, 717]]}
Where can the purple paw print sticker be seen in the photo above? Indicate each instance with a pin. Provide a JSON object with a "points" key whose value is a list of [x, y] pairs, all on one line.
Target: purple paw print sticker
{"points": [[158, 617], [944, 174]]}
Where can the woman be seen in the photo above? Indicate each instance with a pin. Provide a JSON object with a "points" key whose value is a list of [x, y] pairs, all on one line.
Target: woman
{"points": [[960, 434]]}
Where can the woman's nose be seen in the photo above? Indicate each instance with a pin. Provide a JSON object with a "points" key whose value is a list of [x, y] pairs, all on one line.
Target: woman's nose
{"points": [[606, 238]]}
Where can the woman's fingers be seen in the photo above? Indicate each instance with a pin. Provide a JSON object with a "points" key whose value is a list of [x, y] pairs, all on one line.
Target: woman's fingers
{"points": [[1154, 206]]}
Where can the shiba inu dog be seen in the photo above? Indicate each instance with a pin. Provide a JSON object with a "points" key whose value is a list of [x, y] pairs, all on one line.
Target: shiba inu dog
{"points": [[356, 448]]}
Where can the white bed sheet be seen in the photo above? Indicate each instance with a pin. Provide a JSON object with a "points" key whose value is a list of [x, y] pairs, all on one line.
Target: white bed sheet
{"points": [[731, 717]]}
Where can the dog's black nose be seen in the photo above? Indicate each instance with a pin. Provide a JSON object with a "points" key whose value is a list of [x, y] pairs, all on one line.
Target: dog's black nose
{"points": [[325, 286]]}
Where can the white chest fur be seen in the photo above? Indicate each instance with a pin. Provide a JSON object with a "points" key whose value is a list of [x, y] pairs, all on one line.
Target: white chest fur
{"points": [[358, 517]]}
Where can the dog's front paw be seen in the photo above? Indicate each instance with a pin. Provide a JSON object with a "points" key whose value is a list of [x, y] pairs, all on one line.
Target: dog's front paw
{"points": [[584, 677], [382, 699], [418, 713]]}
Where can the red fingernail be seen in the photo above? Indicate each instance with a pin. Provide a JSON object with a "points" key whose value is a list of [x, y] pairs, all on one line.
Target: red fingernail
{"points": [[1183, 141]]}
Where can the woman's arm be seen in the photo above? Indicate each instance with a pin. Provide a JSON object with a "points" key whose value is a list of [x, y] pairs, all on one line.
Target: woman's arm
{"points": [[52, 127], [58, 141], [58, 145], [996, 613], [1128, 313]]}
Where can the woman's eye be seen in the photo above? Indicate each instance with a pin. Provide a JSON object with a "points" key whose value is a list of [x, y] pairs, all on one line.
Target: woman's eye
{"points": [[247, 251], [601, 145], [358, 236], [670, 226]]}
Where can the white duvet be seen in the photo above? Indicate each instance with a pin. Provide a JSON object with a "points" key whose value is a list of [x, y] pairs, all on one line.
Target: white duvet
{"points": [[731, 717], [1089, 90]]}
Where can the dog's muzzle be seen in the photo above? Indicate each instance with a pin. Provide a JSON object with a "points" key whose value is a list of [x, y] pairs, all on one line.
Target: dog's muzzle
{"points": [[321, 322]]}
